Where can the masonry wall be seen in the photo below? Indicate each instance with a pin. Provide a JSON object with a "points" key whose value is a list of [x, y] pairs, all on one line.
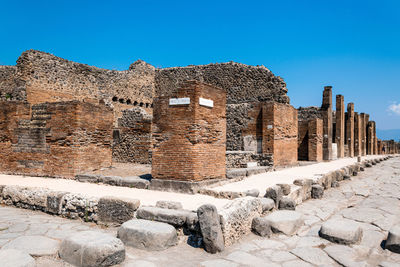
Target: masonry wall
{"points": [[132, 138], [357, 135], [189, 141], [242, 83], [12, 88], [349, 138], [54, 139]]}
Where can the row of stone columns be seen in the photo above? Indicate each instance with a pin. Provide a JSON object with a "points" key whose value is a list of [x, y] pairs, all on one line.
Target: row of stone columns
{"points": [[354, 133]]}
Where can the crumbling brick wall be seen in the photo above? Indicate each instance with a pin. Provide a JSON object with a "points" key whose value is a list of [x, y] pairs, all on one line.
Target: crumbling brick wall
{"points": [[54, 139], [310, 137], [132, 138], [189, 141], [51, 79], [242, 83]]}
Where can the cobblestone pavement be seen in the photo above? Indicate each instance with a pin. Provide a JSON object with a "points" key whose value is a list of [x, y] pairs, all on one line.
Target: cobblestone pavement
{"points": [[372, 199]]}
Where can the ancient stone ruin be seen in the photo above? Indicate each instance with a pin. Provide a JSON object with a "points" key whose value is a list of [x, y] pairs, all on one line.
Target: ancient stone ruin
{"points": [[56, 114]]}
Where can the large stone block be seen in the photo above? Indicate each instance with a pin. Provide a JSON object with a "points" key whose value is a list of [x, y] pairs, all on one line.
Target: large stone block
{"points": [[393, 240], [210, 227], [261, 227], [149, 235], [341, 231], [116, 210], [237, 216], [285, 221], [92, 249], [177, 218]]}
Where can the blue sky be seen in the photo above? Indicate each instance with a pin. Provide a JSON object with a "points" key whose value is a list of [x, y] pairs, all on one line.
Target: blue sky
{"points": [[351, 45]]}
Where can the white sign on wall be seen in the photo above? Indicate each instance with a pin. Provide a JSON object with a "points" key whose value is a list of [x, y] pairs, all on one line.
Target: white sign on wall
{"points": [[269, 127], [206, 102], [179, 101]]}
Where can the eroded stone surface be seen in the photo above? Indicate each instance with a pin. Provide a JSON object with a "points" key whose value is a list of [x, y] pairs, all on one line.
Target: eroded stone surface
{"points": [[90, 248], [285, 221], [16, 258], [144, 234], [34, 245], [211, 228], [341, 231]]}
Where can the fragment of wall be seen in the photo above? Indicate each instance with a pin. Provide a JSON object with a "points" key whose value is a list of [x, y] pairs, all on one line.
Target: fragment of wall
{"points": [[54, 139]]}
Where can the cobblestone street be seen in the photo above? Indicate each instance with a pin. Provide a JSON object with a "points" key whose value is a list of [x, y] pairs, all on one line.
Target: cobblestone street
{"points": [[372, 199]]}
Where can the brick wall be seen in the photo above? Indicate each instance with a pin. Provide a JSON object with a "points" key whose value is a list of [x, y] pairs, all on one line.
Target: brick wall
{"points": [[132, 138], [54, 139], [189, 141]]}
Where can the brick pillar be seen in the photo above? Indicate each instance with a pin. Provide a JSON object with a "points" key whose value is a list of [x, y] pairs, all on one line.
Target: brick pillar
{"points": [[340, 125], [189, 134], [315, 138], [327, 122], [363, 135], [357, 134], [366, 134], [350, 129]]}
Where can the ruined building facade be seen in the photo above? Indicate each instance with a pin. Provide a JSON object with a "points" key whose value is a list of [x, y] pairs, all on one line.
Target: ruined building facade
{"points": [[57, 114]]}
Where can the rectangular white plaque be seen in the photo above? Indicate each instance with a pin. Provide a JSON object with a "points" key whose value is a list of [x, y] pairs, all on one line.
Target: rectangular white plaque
{"points": [[179, 101], [269, 127], [206, 102]]}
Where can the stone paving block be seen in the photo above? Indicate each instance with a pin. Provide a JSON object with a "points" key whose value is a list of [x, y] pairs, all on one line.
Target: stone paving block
{"points": [[54, 202], [116, 210], [267, 204], [148, 235], [287, 203], [87, 178], [317, 191], [135, 182], [245, 258], [393, 240], [344, 255], [233, 173], [91, 248], [285, 221], [173, 205], [252, 193], [275, 193], [15, 258], [34, 245], [210, 227], [314, 256], [341, 231], [218, 263], [285, 189], [261, 227], [176, 218]]}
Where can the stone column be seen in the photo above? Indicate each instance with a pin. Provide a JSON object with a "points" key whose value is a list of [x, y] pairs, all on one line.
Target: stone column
{"points": [[350, 129], [326, 110], [375, 141], [357, 135], [363, 135], [370, 137], [340, 125]]}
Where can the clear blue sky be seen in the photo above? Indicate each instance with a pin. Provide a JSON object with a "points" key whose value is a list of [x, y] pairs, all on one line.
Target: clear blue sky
{"points": [[352, 45]]}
